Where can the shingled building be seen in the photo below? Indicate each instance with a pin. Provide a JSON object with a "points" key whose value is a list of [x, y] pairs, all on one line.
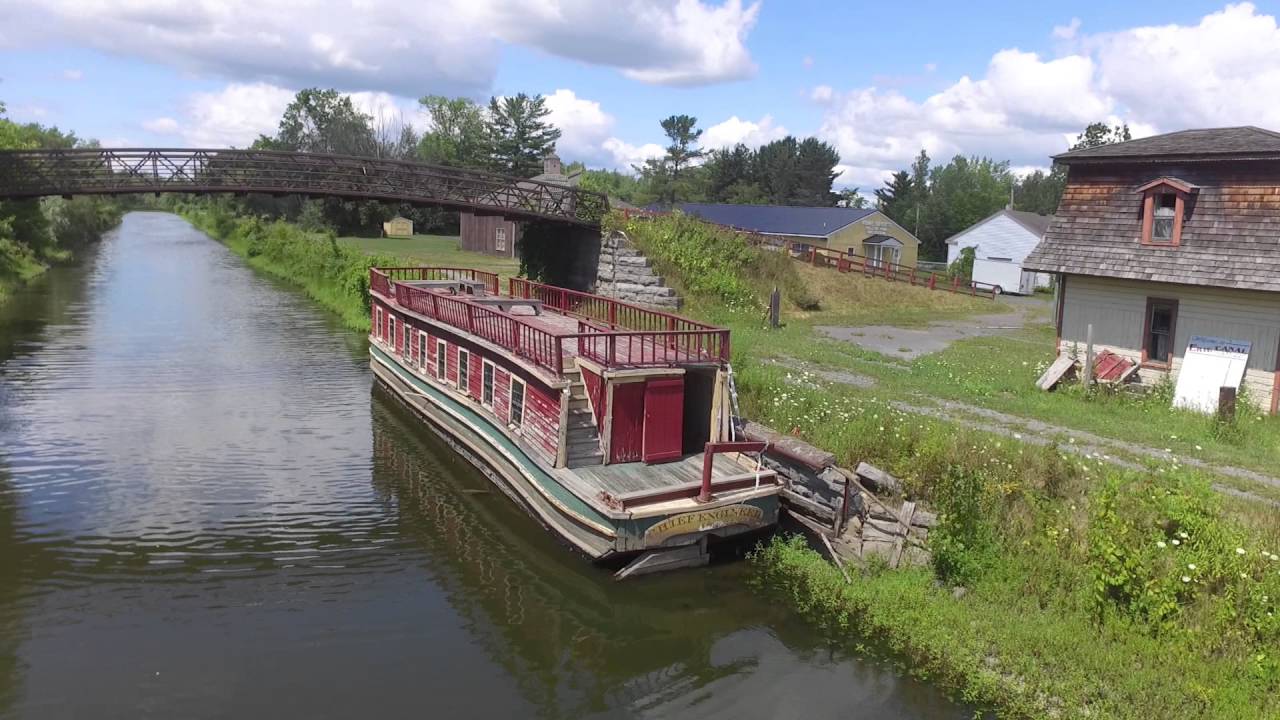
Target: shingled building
{"points": [[1164, 238]]}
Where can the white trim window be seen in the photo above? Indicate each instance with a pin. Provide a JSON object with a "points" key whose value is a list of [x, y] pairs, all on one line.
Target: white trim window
{"points": [[391, 330], [377, 324], [500, 239], [408, 342], [464, 371], [488, 375], [515, 413], [442, 359], [422, 349]]}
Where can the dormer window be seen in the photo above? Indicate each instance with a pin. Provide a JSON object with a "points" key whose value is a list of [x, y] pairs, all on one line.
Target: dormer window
{"points": [[1164, 209], [1166, 205]]}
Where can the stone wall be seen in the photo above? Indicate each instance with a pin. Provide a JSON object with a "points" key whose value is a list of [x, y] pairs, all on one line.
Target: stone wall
{"points": [[625, 273]]}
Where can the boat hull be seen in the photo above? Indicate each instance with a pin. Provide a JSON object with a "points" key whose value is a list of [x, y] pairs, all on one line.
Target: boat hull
{"points": [[524, 478]]}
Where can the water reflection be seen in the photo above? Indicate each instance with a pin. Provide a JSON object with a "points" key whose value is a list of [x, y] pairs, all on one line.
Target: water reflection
{"points": [[203, 513]]}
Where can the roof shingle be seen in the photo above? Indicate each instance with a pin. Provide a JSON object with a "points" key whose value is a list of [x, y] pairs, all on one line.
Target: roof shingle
{"points": [[777, 219]]}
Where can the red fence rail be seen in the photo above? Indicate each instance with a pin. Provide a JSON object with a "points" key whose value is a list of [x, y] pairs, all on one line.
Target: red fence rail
{"points": [[893, 272], [611, 333]]}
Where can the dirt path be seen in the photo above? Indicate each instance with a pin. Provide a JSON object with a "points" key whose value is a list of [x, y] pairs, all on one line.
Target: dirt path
{"points": [[1010, 315]]}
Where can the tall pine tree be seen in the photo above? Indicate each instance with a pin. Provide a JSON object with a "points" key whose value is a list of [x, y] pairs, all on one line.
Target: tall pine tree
{"points": [[520, 134]]}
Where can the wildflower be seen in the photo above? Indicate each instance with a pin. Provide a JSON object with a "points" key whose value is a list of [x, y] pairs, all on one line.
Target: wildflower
{"points": [[1186, 579], [1199, 448], [1160, 544], [1183, 534], [1191, 566], [1176, 541], [1239, 551]]}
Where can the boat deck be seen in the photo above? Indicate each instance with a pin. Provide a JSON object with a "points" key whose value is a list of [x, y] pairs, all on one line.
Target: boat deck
{"points": [[625, 486]]}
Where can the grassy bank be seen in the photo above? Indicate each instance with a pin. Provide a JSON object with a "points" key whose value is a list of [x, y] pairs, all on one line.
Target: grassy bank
{"points": [[37, 234], [437, 250]]}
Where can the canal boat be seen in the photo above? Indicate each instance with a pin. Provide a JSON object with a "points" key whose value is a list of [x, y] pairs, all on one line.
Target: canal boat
{"points": [[608, 422]]}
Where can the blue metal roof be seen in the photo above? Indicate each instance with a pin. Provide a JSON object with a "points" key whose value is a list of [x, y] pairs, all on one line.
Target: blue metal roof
{"points": [[777, 219]]}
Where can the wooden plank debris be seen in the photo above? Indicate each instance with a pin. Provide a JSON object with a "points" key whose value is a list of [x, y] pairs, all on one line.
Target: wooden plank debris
{"points": [[878, 479], [789, 447], [836, 559], [1059, 370], [904, 521]]}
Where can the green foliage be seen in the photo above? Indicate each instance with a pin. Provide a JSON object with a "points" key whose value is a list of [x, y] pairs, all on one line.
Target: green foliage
{"points": [[323, 121], [962, 267], [520, 134], [964, 544], [459, 134], [713, 263]]}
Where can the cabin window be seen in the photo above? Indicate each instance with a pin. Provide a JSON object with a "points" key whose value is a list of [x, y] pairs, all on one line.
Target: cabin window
{"points": [[441, 358], [486, 384], [1162, 317], [1165, 205], [500, 239], [464, 371], [378, 323], [517, 402], [408, 342], [1162, 219], [422, 350], [391, 330]]}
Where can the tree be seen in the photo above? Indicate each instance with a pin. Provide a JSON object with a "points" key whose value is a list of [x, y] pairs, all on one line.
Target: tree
{"points": [[815, 172], [851, 198], [683, 133], [897, 198], [1098, 134], [324, 121], [459, 134], [520, 134], [961, 193]]}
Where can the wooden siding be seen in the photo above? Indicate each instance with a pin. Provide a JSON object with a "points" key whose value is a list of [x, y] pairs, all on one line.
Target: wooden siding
{"points": [[478, 233], [1117, 310], [597, 394], [541, 426], [627, 431], [1229, 239], [663, 419], [1000, 237]]}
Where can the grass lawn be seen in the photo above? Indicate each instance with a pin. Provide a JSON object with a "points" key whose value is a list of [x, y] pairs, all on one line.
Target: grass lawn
{"points": [[436, 250]]}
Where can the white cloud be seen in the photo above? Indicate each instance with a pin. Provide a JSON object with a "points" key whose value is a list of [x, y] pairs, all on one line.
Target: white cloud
{"points": [[1068, 31], [1223, 70], [735, 130], [442, 46], [822, 94], [625, 154], [162, 126], [234, 116], [587, 134], [73, 75], [390, 111]]}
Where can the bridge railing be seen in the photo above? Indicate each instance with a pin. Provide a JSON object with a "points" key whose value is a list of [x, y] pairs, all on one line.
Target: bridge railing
{"points": [[431, 273], [37, 173]]}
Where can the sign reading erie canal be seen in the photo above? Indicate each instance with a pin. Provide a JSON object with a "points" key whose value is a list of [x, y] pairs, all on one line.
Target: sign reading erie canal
{"points": [[702, 521]]}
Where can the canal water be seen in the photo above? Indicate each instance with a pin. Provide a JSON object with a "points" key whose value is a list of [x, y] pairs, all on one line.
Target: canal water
{"points": [[207, 510]]}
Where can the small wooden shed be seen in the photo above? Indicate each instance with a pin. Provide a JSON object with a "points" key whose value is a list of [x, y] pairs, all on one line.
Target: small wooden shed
{"points": [[401, 227]]}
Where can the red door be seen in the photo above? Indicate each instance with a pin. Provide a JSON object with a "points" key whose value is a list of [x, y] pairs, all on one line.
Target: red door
{"points": [[627, 409], [663, 419]]}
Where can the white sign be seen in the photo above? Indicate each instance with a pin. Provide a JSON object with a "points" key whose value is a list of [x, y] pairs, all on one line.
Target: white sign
{"points": [[1210, 363]]}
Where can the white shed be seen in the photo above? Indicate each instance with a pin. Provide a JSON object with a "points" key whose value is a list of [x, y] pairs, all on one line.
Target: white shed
{"points": [[1002, 241]]}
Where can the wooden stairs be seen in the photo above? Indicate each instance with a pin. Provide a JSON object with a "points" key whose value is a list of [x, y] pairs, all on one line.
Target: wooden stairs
{"points": [[582, 436]]}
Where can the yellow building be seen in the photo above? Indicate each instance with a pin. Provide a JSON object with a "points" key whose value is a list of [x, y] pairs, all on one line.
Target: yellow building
{"points": [[399, 227], [857, 232]]}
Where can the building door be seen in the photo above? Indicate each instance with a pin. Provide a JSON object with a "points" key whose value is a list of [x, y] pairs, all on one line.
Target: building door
{"points": [[663, 419]]}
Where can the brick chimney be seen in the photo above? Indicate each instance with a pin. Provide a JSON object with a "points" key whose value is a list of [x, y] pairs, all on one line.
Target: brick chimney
{"points": [[551, 164]]}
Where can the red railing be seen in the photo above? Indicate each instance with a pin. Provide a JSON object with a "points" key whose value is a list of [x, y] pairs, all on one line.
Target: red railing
{"points": [[428, 273], [542, 347], [709, 452], [611, 333], [651, 348], [893, 272]]}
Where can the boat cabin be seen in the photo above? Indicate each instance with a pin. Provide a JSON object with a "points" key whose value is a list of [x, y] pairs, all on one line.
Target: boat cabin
{"points": [[625, 410]]}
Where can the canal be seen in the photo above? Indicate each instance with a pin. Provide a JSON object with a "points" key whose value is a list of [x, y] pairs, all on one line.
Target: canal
{"points": [[208, 510]]}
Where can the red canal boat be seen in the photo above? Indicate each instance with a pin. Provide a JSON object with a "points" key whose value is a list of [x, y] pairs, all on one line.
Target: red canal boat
{"points": [[610, 423]]}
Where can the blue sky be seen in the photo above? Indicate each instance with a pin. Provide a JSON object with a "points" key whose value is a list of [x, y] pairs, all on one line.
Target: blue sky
{"points": [[1013, 80]]}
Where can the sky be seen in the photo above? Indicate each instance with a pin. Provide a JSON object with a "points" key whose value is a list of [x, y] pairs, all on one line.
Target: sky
{"points": [[1008, 79]]}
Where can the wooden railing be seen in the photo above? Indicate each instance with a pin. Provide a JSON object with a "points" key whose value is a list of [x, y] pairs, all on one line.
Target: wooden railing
{"points": [[540, 346], [429, 273], [651, 348], [893, 272], [612, 333]]}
